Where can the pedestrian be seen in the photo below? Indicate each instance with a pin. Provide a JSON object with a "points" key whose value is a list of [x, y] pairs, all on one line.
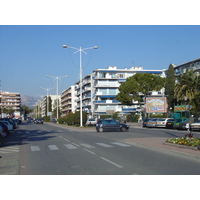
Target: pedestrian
{"points": [[191, 120], [187, 126]]}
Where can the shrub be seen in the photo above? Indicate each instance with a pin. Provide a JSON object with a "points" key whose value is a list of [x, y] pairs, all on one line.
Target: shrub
{"points": [[46, 119], [77, 118], [70, 119], [62, 120]]}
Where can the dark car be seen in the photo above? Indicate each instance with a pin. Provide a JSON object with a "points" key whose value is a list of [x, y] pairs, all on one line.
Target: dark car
{"points": [[178, 121], [5, 128], [11, 121], [110, 125], [38, 121], [170, 123], [183, 124], [144, 124]]}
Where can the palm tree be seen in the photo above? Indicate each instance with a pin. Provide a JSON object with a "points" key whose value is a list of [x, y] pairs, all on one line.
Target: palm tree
{"points": [[187, 85]]}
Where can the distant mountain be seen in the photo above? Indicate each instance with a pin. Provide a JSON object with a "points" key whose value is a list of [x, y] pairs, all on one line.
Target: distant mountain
{"points": [[29, 101]]}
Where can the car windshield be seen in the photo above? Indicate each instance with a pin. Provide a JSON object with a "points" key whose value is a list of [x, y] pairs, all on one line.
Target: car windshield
{"points": [[198, 121]]}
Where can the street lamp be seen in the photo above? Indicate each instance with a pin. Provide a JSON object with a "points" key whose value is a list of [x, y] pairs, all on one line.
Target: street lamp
{"points": [[80, 50], [57, 78], [47, 89]]}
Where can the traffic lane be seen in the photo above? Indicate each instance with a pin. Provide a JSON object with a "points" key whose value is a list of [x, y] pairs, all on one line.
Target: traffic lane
{"points": [[60, 160], [145, 161]]}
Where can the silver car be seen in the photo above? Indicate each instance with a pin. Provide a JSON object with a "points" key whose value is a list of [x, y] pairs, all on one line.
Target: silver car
{"points": [[152, 122]]}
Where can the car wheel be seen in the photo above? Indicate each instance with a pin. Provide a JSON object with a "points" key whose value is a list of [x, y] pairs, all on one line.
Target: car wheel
{"points": [[101, 129], [123, 129]]}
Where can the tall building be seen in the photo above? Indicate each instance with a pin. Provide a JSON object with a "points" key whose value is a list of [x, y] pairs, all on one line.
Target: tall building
{"points": [[106, 84], [42, 104], [11, 101], [192, 65], [68, 101], [99, 90]]}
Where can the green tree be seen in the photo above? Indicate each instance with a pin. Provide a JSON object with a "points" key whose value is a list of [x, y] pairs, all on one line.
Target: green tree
{"points": [[138, 86], [169, 86], [187, 85], [77, 118], [70, 119], [195, 104]]}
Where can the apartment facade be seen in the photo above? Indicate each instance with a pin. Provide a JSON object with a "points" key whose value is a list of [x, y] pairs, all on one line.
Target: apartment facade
{"points": [[191, 65], [12, 101], [99, 90], [42, 104], [68, 101]]}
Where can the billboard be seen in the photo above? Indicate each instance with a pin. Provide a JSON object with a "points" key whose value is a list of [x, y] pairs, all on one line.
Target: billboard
{"points": [[156, 104]]}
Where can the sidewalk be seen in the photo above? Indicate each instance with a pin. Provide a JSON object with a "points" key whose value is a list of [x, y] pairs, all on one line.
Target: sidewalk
{"points": [[158, 143]]}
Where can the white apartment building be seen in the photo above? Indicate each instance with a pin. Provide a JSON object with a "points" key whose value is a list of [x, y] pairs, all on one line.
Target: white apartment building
{"points": [[43, 104], [101, 87], [12, 101], [68, 101]]}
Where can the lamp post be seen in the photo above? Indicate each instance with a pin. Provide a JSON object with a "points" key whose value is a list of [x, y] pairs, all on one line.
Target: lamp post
{"points": [[80, 50], [47, 89], [57, 78]]}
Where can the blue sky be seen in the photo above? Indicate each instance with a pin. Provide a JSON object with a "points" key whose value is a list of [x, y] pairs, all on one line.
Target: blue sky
{"points": [[29, 53]]}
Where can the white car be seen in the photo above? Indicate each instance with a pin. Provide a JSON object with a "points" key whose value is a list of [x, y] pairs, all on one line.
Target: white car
{"points": [[162, 122], [91, 122], [195, 126]]}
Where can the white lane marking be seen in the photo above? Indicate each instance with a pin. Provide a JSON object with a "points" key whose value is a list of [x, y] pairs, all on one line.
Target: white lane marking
{"points": [[70, 146], [104, 145], [60, 136], [52, 147], [35, 148], [121, 144], [89, 151], [76, 144], [38, 132], [113, 163], [87, 146], [66, 140]]}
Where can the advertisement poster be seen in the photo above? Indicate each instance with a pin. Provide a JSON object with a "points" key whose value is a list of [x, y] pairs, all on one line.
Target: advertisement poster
{"points": [[156, 104]]}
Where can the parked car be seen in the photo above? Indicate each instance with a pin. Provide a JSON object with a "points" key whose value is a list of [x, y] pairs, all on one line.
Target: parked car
{"points": [[183, 124], [152, 122], [5, 128], [91, 122], [195, 126], [11, 121], [110, 125], [1, 134], [10, 128], [170, 123], [178, 121], [145, 121], [162, 122]]}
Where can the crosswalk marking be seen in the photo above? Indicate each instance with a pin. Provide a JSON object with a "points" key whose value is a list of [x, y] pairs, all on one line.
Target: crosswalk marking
{"points": [[9, 149], [70, 146], [52, 147], [104, 145], [120, 144], [87, 146], [35, 148]]}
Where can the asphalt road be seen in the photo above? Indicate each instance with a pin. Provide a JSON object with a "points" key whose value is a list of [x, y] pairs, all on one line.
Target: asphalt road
{"points": [[51, 150]]}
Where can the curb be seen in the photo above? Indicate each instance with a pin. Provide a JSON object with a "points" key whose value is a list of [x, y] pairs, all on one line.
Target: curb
{"points": [[181, 146]]}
